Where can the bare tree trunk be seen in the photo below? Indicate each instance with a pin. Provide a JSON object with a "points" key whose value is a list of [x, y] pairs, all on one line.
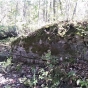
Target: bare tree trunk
{"points": [[67, 10], [54, 11], [50, 10], [74, 12], [16, 12], [38, 11], [46, 11], [24, 10], [61, 6]]}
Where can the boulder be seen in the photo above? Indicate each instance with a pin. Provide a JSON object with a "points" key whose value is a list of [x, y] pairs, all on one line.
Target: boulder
{"points": [[47, 38], [4, 52], [6, 32]]}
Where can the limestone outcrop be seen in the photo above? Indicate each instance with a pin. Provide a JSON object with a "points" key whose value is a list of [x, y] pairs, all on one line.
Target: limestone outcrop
{"points": [[66, 46]]}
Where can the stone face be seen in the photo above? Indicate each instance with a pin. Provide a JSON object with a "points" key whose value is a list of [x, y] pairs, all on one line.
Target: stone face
{"points": [[44, 39], [11, 32], [4, 52]]}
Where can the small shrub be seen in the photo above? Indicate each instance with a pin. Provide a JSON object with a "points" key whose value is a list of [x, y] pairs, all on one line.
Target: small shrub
{"points": [[82, 83]]}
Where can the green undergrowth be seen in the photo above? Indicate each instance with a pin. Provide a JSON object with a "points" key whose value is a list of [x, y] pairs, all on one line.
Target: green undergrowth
{"points": [[7, 40], [54, 75], [7, 62]]}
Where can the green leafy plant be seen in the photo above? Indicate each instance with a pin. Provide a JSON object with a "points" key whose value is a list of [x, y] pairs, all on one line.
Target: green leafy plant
{"points": [[6, 65], [7, 62], [51, 80], [53, 73], [18, 67], [82, 83], [31, 82], [71, 73], [51, 60]]}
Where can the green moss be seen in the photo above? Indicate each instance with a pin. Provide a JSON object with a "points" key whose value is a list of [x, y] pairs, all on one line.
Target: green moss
{"points": [[45, 34]]}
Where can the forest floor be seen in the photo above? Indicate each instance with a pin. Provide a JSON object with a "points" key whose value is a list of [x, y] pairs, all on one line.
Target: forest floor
{"points": [[74, 74]]}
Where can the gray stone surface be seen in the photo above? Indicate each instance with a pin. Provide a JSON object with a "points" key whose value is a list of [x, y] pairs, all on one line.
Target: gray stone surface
{"points": [[4, 52]]}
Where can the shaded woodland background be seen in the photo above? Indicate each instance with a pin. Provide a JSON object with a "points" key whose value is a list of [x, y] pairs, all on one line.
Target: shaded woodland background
{"points": [[29, 14]]}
